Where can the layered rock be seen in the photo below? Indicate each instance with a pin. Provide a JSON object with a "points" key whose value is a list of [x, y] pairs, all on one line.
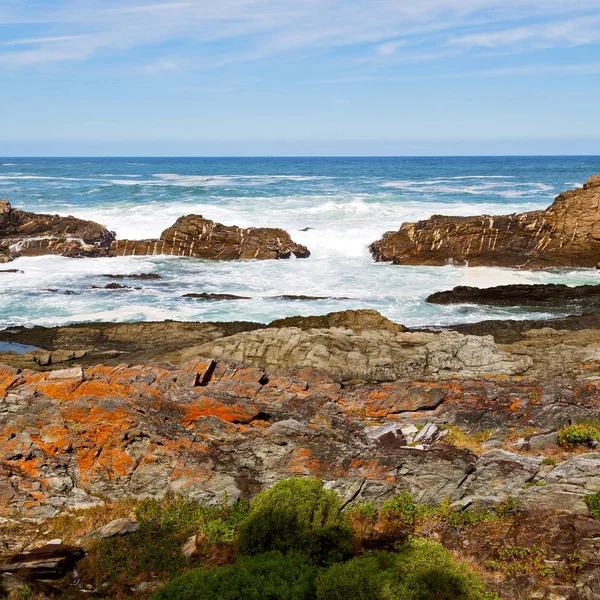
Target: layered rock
{"points": [[547, 295], [31, 234], [377, 355], [195, 236], [565, 234]]}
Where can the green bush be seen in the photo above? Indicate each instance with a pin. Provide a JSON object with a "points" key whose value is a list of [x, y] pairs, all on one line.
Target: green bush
{"points": [[579, 435], [154, 550], [593, 504], [420, 570], [297, 514], [270, 576]]}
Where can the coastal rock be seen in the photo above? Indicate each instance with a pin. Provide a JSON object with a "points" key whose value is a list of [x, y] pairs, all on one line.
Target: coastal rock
{"points": [[31, 234], [195, 236], [357, 320], [72, 437], [378, 355], [546, 295], [565, 234]]}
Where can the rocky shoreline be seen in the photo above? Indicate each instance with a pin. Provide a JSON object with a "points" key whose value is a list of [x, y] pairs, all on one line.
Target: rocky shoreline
{"points": [[496, 418], [111, 411]]}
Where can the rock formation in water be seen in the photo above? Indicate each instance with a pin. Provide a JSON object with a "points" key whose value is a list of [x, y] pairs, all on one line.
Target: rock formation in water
{"points": [[545, 295], [31, 234], [565, 234], [195, 236]]}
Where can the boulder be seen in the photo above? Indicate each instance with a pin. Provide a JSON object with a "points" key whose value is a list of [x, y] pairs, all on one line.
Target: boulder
{"points": [[117, 527], [195, 236], [31, 234], [565, 234], [547, 295], [51, 561]]}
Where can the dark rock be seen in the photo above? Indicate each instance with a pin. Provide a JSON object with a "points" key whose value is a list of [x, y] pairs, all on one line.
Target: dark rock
{"points": [[65, 292], [11, 271], [565, 234], [302, 297], [144, 276], [30, 234], [52, 561], [206, 296], [113, 286], [306, 229], [195, 236], [547, 295]]}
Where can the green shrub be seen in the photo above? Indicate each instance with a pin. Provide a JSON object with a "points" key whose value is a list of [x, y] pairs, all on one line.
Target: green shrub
{"points": [[549, 462], [398, 513], [579, 435], [296, 514], [270, 576], [154, 550], [420, 570], [593, 504]]}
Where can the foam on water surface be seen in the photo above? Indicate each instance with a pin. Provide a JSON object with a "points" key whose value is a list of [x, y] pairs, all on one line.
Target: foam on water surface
{"points": [[336, 207]]}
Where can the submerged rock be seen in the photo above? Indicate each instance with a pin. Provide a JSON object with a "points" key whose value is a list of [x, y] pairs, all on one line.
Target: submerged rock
{"points": [[195, 236], [547, 295], [31, 234], [144, 276], [565, 234], [207, 296]]}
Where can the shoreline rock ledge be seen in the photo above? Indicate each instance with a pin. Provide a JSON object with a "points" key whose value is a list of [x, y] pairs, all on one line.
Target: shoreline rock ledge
{"points": [[567, 233], [195, 236], [31, 234]]}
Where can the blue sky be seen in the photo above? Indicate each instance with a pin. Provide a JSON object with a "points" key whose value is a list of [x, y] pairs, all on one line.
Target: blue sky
{"points": [[244, 77]]}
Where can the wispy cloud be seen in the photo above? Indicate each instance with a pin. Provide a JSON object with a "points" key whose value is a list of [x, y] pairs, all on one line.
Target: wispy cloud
{"points": [[76, 30]]}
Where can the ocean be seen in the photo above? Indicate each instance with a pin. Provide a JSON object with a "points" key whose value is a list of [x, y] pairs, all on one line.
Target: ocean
{"points": [[335, 206]]}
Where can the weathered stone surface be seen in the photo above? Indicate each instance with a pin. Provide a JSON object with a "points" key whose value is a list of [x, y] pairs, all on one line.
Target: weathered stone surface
{"points": [[547, 295], [211, 428], [368, 355], [31, 234], [565, 234], [193, 235]]}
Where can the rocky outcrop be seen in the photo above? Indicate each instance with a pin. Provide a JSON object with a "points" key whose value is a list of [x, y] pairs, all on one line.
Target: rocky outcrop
{"points": [[366, 355], [31, 234], [565, 234], [546, 295], [68, 438], [195, 236]]}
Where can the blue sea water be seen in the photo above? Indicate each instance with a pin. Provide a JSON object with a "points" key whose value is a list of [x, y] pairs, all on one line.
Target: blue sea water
{"points": [[346, 202]]}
